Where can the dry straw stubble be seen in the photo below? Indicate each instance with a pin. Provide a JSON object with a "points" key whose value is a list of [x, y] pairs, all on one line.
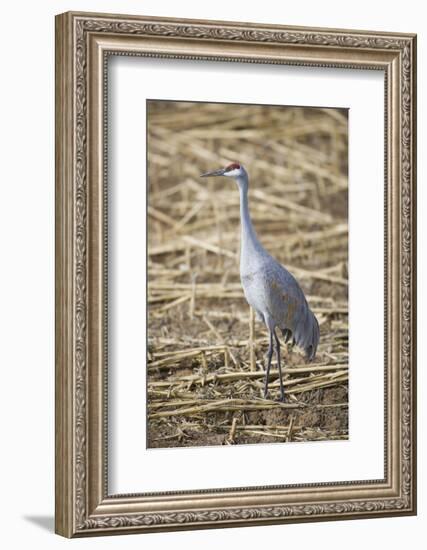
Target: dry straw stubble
{"points": [[206, 355]]}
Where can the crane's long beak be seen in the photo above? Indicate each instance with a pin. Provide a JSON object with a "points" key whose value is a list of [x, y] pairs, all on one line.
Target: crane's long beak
{"points": [[220, 172]]}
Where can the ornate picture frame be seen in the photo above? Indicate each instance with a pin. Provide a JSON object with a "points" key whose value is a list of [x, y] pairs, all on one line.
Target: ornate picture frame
{"points": [[84, 42]]}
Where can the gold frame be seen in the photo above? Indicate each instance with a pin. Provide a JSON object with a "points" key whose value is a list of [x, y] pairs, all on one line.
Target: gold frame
{"points": [[83, 43]]}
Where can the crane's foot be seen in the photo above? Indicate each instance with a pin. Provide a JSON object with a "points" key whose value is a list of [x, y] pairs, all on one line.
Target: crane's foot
{"points": [[265, 394], [282, 398]]}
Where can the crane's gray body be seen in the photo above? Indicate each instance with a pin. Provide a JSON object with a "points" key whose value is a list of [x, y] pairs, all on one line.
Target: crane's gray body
{"points": [[269, 288], [279, 301]]}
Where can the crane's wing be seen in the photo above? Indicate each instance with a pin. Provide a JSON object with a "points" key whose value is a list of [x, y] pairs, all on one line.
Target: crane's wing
{"points": [[287, 305]]}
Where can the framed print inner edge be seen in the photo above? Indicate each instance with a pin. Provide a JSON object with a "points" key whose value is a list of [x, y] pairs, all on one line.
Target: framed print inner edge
{"points": [[83, 44]]}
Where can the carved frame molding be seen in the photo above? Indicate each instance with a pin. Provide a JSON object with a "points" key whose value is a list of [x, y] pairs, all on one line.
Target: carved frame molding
{"points": [[83, 43]]}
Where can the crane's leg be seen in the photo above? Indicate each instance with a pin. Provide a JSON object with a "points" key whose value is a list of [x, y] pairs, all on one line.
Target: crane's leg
{"points": [[269, 357], [279, 367]]}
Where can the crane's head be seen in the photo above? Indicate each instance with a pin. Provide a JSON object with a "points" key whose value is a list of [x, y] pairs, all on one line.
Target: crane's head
{"points": [[233, 170]]}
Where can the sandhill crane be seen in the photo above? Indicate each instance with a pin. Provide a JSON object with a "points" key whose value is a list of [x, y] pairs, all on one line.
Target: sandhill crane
{"points": [[269, 288]]}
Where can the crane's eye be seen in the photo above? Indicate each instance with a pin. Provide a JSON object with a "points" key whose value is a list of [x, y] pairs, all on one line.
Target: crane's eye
{"points": [[233, 166]]}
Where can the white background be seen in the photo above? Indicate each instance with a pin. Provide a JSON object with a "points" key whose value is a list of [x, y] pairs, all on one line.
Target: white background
{"points": [[133, 468], [27, 268]]}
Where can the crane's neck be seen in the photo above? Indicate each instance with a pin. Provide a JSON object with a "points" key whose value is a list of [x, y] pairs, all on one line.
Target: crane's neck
{"points": [[249, 240]]}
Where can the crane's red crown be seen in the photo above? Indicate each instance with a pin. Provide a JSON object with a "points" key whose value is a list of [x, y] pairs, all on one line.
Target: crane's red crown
{"points": [[233, 166]]}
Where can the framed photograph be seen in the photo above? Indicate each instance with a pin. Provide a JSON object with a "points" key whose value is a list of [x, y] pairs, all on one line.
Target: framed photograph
{"points": [[235, 274]]}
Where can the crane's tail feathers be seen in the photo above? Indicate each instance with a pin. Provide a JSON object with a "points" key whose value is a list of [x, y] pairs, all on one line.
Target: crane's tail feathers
{"points": [[311, 349], [306, 334], [286, 334]]}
